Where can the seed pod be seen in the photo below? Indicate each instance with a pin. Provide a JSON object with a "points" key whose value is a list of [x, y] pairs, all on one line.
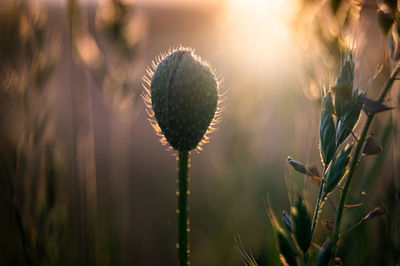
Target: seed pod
{"points": [[328, 224], [184, 98], [371, 146], [378, 211], [298, 166], [301, 225], [336, 169], [327, 131]]}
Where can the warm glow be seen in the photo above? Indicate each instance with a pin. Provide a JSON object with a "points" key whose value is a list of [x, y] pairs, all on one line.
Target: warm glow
{"points": [[259, 31]]}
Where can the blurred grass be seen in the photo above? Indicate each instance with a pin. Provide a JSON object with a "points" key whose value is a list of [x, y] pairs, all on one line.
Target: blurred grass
{"points": [[71, 115]]}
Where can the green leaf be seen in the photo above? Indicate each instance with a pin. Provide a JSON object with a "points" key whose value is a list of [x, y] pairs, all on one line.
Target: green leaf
{"points": [[327, 131], [301, 225], [336, 169]]}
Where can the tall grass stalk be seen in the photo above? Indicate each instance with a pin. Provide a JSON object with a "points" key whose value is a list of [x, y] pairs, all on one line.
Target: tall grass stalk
{"points": [[356, 155]]}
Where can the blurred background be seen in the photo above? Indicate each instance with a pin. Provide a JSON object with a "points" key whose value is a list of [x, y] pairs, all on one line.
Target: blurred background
{"points": [[84, 179]]}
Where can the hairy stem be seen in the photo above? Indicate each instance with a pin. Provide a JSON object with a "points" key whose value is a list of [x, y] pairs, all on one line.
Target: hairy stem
{"points": [[356, 155], [183, 209]]}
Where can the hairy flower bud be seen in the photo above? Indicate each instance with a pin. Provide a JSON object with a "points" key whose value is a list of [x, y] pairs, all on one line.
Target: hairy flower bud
{"points": [[184, 98]]}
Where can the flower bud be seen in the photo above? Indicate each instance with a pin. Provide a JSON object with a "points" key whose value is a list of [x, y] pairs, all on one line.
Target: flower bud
{"points": [[184, 98]]}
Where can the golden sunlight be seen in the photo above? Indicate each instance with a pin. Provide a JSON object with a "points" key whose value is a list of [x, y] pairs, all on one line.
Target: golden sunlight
{"points": [[261, 29]]}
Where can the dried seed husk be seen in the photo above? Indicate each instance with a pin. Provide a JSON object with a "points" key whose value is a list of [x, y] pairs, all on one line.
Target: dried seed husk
{"points": [[371, 146], [372, 107], [328, 224], [378, 211]]}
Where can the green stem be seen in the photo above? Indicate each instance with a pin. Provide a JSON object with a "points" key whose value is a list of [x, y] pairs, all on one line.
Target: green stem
{"points": [[317, 206], [356, 155], [183, 209]]}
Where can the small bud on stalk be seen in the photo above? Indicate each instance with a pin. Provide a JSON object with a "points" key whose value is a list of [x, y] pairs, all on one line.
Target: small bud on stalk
{"points": [[184, 97]]}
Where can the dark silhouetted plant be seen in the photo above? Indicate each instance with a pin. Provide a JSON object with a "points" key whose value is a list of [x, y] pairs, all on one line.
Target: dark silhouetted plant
{"points": [[341, 110], [181, 93]]}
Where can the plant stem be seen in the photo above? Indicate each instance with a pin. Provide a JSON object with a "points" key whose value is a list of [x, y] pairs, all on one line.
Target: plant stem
{"points": [[318, 204], [183, 209], [356, 155]]}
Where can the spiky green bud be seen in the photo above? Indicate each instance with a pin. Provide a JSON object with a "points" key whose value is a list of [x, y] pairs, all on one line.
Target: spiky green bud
{"points": [[184, 98]]}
